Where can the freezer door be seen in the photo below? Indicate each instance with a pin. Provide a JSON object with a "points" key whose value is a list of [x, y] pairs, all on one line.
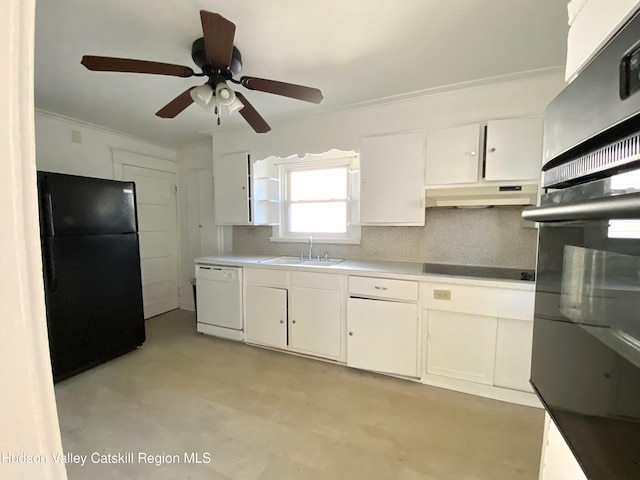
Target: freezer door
{"points": [[93, 294], [72, 205]]}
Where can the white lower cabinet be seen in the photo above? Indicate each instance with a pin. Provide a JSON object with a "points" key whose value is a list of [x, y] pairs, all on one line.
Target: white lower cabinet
{"points": [[478, 339], [513, 354], [295, 310], [266, 315], [461, 345], [382, 336], [314, 322]]}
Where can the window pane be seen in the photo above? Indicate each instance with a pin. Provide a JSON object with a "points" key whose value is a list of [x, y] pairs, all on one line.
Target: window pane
{"points": [[322, 184], [322, 217]]}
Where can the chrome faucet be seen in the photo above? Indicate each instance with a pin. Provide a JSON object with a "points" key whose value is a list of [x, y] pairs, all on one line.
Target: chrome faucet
{"points": [[310, 247]]}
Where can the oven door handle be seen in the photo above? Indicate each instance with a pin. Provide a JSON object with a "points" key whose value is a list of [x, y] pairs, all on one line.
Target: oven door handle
{"points": [[625, 206]]}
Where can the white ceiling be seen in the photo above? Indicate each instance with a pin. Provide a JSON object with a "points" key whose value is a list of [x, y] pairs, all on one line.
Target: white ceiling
{"points": [[353, 50]]}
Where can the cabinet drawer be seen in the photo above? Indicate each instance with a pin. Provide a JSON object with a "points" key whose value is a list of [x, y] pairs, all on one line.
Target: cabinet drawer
{"points": [[321, 281], [384, 288], [265, 276], [487, 301]]}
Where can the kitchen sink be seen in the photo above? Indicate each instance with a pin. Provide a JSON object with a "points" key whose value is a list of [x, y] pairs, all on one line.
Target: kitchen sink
{"points": [[298, 261]]}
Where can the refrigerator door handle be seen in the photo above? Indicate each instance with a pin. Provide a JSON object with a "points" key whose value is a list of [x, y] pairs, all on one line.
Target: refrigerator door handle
{"points": [[50, 265], [50, 224]]}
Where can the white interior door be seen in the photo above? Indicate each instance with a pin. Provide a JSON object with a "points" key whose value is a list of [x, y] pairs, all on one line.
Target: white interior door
{"points": [[158, 232], [207, 225]]}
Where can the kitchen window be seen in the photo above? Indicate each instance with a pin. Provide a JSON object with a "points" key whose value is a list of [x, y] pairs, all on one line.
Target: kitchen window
{"points": [[319, 199]]}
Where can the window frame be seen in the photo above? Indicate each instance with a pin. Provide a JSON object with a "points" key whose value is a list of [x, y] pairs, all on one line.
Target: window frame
{"points": [[348, 160]]}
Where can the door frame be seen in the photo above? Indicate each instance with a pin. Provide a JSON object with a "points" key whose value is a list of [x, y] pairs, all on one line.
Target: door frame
{"points": [[31, 421], [124, 157]]}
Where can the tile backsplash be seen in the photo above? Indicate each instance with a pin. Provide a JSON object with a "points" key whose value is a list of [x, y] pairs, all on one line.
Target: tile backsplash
{"points": [[485, 237]]}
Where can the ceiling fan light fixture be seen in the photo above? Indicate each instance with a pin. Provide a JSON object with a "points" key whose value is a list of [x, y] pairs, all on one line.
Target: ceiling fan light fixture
{"points": [[226, 96], [202, 95], [235, 105]]}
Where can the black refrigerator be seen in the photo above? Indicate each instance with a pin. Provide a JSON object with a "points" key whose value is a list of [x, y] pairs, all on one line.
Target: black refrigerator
{"points": [[91, 266]]}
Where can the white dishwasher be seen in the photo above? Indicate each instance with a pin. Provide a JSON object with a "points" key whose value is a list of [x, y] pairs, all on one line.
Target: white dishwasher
{"points": [[219, 301]]}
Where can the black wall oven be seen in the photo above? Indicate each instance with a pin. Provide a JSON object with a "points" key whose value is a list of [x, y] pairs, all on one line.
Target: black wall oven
{"points": [[586, 342]]}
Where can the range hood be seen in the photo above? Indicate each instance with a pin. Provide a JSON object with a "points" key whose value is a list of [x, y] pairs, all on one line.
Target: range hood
{"points": [[481, 195]]}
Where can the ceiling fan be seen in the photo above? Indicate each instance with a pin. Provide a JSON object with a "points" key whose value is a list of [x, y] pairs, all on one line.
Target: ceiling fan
{"points": [[219, 61]]}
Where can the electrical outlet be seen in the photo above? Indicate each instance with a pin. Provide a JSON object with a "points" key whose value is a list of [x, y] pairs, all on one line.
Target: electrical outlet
{"points": [[442, 294]]}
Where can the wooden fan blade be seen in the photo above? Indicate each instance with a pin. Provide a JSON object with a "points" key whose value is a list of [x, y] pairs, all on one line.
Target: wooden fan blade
{"points": [[177, 105], [218, 38], [308, 94], [111, 64], [251, 115]]}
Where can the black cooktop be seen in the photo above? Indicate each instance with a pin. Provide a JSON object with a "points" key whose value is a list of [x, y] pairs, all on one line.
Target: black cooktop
{"points": [[485, 272]]}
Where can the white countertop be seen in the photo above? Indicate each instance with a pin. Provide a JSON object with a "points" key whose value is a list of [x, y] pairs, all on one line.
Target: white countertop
{"points": [[400, 270]]}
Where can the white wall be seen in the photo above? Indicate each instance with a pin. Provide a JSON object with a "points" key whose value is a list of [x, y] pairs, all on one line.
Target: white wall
{"points": [[56, 152], [343, 129], [28, 417]]}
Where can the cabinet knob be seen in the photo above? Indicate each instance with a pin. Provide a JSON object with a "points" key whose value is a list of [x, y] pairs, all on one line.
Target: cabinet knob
{"points": [[281, 321], [473, 153], [243, 187], [351, 334], [293, 321], [364, 180], [492, 149]]}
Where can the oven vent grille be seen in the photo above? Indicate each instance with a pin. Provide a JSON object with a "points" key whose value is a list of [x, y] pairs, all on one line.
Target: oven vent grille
{"points": [[621, 152]]}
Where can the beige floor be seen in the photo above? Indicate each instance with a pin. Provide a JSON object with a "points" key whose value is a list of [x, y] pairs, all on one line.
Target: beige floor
{"points": [[262, 414]]}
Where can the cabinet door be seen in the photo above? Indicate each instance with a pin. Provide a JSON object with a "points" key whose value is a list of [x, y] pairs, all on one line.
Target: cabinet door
{"points": [[513, 354], [513, 149], [231, 189], [382, 336], [391, 176], [266, 315], [461, 345], [453, 155], [314, 322]]}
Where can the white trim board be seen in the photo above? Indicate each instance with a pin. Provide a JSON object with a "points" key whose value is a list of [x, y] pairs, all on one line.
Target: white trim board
{"points": [[124, 157]]}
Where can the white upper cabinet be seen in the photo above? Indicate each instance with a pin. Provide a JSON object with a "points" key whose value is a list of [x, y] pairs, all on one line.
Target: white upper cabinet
{"points": [[245, 192], [392, 172], [513, 150], [231, 189], [500, 151], [593, 23], [452, 155]]}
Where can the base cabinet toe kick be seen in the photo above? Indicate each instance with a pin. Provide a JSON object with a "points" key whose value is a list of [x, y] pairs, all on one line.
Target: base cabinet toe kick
{"points": [[466, 337]]}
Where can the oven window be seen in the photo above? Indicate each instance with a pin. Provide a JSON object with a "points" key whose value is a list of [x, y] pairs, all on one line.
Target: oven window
{"points": [[586, 346]]}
